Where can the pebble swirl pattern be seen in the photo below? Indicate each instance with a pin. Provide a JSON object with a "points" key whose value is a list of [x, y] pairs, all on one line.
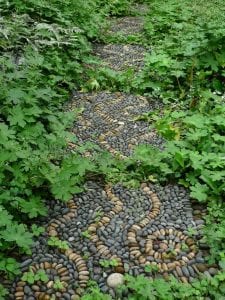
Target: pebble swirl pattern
{"points": [[111, 121]]}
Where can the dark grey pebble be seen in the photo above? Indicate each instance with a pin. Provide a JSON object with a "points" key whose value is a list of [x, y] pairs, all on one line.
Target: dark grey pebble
{"points": [[25, 263]]}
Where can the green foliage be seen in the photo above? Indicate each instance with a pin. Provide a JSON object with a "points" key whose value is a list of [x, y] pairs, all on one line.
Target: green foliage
{"points": [[86, 234], [31, 277], [58, 285], [3, 292], [56, 242], [142, 288], [187, 42], [106, 263], [151, 268], [37, 230], [116, 7]]}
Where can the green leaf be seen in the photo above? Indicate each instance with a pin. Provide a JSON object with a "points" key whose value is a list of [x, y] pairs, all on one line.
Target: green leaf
{"points": [[199, 192], [33, 207], [17, 233]]}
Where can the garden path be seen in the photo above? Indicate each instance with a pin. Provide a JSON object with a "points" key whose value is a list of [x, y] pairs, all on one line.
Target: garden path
{"points": [[111, 228]]}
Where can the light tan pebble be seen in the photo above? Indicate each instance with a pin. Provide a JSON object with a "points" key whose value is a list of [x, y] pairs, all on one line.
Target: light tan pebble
{"points": [[71, 215], [106, 219], [114, 280], [62, 270], [134, 248], [82, 268], [68, 252], [85, 272], [151, 215], [179, 271], [83, 278], [132, 240], [142, 260], [53, 233], [164, 267], [171, 231], [171, 266], [103, 250], [35, 288], [135, 227], [73, 256], [94, 238], [131, 234], [50, 228], [189, 241], [83, 282], [146, 189], [92, 228], [65, 278], [143, 185], [80, 263], [162, 231], [115, 199], [42, 266], [178, 247], [75, 297], [191, 255], [185, 259], [37, 294], [19, 294], [54, 225], [59, 266], [19, 288], [184, 279], [178, 263], [193, 248], [64, 273], [47, 265], [135, 253], [21, 283], [50, 284]]}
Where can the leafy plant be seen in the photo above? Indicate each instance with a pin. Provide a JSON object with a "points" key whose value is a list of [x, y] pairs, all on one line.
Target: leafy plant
{"points": [[151, 268], [86, 234], [58, 285], [56, 242], [31, 277], [106, 263]]}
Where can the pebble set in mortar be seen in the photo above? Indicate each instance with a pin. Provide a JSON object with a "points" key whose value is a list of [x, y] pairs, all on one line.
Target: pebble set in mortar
{"points": [[132, 227]]}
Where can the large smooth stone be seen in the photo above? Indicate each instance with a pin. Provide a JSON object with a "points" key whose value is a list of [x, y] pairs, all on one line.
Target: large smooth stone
{"points": [[115, 279]]}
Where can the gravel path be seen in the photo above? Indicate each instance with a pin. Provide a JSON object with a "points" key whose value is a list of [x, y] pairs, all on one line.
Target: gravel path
{"points": [[152, 230]]}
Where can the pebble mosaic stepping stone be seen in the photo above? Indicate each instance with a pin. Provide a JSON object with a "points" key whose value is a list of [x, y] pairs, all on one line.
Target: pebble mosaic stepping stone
{"points": [[121, 57], [126, 26], [133, 228], [110, 120]]}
